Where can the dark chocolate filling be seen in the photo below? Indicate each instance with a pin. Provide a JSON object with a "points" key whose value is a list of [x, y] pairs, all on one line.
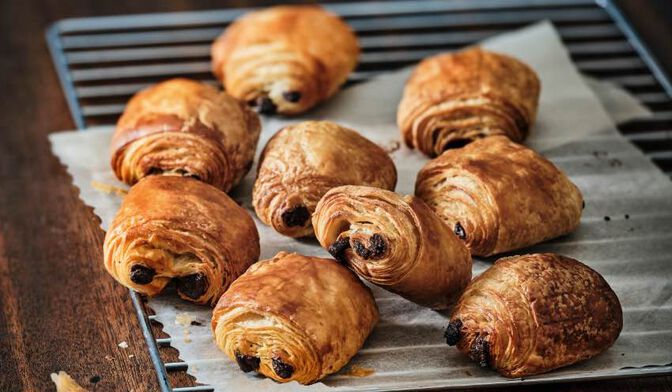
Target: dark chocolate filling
{"points": [[375, 248], [457, 143], [459, 231], [193, 286], [141, 274], [266, 106], [480, 351], [452, 333], [338, 248], [295, 216], [292, 96], [282, 369], [247, 363]]}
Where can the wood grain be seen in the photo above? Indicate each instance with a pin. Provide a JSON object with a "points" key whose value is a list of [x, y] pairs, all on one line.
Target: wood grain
{"points": [[59, 310]]}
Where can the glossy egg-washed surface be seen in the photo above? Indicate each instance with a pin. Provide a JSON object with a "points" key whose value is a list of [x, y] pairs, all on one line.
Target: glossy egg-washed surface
{"points": [[395, 242], [285, 59], [184, 127], [499, 196], [174, 228], [452, 99], [534, 313], [294, 318], [303, 161]]}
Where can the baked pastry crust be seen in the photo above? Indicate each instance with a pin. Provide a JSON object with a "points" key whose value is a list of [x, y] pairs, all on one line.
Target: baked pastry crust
{"points": [[303, 161], [500, 196], [534, 313], [395, 242], [184, 127], [285, 58], [454, 98], [294, 318], [175, 228]]}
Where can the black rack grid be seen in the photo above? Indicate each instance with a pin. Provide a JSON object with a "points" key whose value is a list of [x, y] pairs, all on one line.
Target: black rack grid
{"points": [[103, 61]]}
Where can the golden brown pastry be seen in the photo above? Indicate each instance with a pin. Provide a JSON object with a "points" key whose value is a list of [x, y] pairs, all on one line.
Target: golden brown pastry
{"points": [[535, 313], [454, 98], [176, 228], [303, 161], [395, 242], [183, 127], [294, 318], [499, 196], [285, 59]]}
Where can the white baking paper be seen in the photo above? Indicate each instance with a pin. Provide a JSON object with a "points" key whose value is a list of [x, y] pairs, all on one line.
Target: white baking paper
{"points": [[633, 249]]}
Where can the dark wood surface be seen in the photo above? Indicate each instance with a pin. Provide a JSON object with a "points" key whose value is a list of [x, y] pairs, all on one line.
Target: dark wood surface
{"points": [[59, 310]]}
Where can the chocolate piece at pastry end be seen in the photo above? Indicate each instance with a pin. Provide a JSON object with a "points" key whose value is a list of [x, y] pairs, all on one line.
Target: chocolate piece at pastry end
{"points": [[295, 216], [247, 363], [453, 332], [141, 274], [376, 248], [266, 106], [292, 96], [459, 231], [193, 286], [480, 351], [337, 248], [282, 369]]}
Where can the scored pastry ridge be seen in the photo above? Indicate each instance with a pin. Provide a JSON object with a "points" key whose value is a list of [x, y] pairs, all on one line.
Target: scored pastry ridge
{"points": [[301, 162], [534, 313], [500, 196], [285, 59], [179, 229], [183, 127], [452, 99], [277, 318], [395, 242]]}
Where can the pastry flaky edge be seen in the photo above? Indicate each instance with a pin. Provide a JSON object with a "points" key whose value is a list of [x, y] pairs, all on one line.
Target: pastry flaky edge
{"points": [[454, 98], [303, 161], [285, 59], [534, 313], [294, 318], [176, 228], [184, 127], [499, 196], [395, 242]]}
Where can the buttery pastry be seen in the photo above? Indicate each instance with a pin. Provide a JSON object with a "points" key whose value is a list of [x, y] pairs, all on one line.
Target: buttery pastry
{"points": [[185, 128], [454, 98], [531, 314], [395, 242], [294, 318], [285, 59], [303, 161], [176, 228], [499, 196]]}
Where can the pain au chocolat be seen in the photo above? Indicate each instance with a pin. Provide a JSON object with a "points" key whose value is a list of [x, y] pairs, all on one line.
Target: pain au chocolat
{"points": [[175, 228], [285, 59], [454, 98], [395, 242], [303, 161], [185, 128], [499, 196], [294, 318], [534, 313]]}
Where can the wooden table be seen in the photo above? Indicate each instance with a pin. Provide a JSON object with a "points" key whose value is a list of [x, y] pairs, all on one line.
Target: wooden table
{"points": [[59, 310]]}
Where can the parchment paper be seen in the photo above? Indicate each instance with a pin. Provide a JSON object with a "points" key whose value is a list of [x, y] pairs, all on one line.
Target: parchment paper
{"points": [[633, 249]]}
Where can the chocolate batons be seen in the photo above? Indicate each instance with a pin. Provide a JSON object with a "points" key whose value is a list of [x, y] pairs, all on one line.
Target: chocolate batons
{"points": [[285, 59], [185, 128], [294, 318], [175, 228], [499, 196], [534, 313], [455, 98], [395, 242], [303, 161]]}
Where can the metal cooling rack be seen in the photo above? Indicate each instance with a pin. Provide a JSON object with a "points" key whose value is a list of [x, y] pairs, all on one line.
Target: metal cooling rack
{"points": [[103, 61]]}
